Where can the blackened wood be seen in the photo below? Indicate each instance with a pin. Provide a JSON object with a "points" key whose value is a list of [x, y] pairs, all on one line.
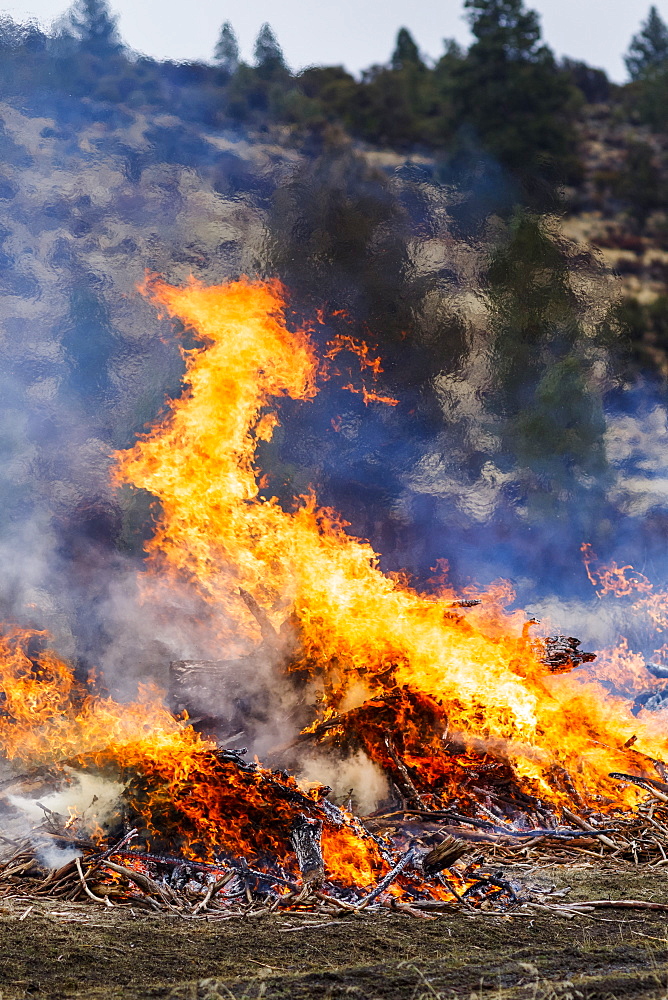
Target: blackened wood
{"points": [[561, 653], [403, 777], [212, 691], [407, 860], [269, 634], [305, 837], [444, 855]]}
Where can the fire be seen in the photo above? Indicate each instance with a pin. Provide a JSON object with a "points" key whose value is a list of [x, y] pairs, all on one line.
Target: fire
{"points": [[356, 627], [620, 581], [179, 791], [46, 715], [444, 700]]}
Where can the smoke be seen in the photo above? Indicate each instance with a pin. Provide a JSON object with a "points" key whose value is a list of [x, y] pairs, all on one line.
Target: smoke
{"points": [[86, 802], [91, 201], [354, 778], [94, 196]]}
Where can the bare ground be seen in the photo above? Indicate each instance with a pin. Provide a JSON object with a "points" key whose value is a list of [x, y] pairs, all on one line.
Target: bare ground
{"points": [[87, 952]]}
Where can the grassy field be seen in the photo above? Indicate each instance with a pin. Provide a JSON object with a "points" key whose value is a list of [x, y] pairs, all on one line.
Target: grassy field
{"points": [[69, 950]]}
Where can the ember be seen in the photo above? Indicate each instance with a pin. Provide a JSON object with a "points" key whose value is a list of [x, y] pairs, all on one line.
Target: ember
{"points": [[486, 732]]}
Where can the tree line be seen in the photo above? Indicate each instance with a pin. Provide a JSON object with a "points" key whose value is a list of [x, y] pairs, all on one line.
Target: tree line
{"points": [[507, 95]]}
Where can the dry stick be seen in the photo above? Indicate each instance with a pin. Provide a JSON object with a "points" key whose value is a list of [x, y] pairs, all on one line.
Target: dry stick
{"points": [[401, 767], [303, 927], [18, 869], [590, 829], [650, 819], [646, 785], [119, 846], [213, 889], [148, 885], [621, 904], [411, 911], [267, 630], [340, 904], [402, 863], [56, 882], [84, 885], [560, 911]]}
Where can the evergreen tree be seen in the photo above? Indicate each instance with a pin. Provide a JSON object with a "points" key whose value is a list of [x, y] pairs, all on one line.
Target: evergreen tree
{"points": [[511, 93], [648, 51], [544, 362], [268, 54], [226, 53], [406, 53], [91, 23], [647, 63]]}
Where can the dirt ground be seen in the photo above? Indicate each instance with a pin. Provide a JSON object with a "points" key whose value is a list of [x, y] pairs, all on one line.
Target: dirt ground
{"points": [[87, 952]]}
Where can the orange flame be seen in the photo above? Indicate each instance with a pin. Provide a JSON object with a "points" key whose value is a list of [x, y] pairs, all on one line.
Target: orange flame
{"points": [[178, 790], [460, 696], [620, 581], [355, 625]]}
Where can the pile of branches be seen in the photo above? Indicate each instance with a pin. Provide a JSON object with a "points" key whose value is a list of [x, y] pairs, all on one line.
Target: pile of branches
{"points": [[640, 836], [119, 875], [191, 890]]}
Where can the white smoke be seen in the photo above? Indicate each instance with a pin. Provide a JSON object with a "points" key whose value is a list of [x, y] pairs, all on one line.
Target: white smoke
{"points": [[354, 777], [84, 804], [89, 800]]}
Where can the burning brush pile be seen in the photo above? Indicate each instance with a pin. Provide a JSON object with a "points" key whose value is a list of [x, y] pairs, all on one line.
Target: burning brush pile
{"points": [[491, 743]]}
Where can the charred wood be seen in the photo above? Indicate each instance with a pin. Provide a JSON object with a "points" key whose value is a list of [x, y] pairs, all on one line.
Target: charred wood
{"points": [[403, 778], [269, 634], [408, 858], [588, 828], [656, 788], [443, 855], [561, 653], [305, 837]]}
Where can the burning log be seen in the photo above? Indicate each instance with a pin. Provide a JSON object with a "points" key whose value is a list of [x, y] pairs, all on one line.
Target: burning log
{"points": [[657, 788], [404, 862], [444, 855], [561, 653], [305, 837], [201, 688], [269, 634], [404, 778]]}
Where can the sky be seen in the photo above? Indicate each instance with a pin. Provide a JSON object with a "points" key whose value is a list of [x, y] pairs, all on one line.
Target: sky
{"points": [[355, 33]]}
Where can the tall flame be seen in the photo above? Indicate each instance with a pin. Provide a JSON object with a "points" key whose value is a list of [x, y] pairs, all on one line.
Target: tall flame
{"points": [[357, 628]]}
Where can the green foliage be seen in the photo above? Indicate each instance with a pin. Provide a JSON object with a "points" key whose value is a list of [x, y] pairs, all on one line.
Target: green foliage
{"points": [[543, 360], [406, 53], [268, 54], [332, 89], [92, 24], [510, 92], [592, 83], [648, 51], [226, 53], [645, 327], [640, 184], [647, 63]]}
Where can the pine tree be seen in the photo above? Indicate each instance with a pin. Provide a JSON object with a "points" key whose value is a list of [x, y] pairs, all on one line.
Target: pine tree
{"points": [[503, 26], [91, 22], [267, 52], [406, 53], [544, 360], [226, 53], [511, 94], [648, 51]]}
